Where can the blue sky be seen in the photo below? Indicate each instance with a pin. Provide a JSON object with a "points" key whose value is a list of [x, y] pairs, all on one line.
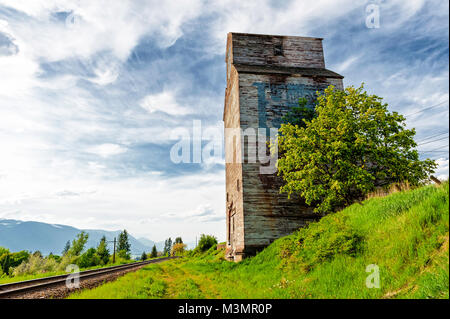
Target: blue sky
{"points": [[92, 91]]}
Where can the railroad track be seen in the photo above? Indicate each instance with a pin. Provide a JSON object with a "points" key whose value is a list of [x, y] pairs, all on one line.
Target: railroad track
{"points": [[17, 289]]}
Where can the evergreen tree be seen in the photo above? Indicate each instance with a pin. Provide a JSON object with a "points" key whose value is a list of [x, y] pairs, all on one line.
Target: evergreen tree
{"points": [[178, 240], [66, 248], [123, 245], [143, 256], [103, 251], [154, 252], [167, 246]]}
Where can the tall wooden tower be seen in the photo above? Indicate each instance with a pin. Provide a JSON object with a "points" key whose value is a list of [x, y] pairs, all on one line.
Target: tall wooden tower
{"points": [[266, 76]]}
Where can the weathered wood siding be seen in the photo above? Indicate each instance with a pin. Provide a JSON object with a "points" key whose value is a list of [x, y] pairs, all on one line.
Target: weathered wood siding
{"points": [[262, 86], [233, 166], [256, 49]]}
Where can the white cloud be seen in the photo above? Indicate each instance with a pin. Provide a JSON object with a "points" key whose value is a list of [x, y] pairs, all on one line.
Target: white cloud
{"points": [[44, 122], [116, 203], [106, 72], [17, 70], [100, 25], [163, 102], [107, 150], [340, 68], [443, 170]]}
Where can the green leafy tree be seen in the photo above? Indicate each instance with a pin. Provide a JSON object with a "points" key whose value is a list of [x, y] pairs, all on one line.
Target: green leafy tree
{"points": [[299, 114], [178, 249], [18, 257], [89, 259], [54, 257], [10, 260], [167, 246], [78, 244], [351, 146], [102, 251], [154, 253], [5, 261], [206, 242], [123, 245], [143, 256], [66, 248], [178, 240]]}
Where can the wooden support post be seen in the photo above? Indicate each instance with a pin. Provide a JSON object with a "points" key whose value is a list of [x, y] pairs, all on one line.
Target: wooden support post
{"points": [[434, 179], [114, 252]]}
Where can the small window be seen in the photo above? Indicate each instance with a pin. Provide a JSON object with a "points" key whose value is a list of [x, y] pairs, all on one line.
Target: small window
{"points": [[238, 186], [278, 49]]}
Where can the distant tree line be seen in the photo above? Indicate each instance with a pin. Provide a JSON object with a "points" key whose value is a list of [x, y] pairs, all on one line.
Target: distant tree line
{"points": [[74, 252], [27, 263]]}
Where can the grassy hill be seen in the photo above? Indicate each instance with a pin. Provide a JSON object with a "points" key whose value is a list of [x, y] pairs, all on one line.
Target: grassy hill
{"points": [[404, 234]]}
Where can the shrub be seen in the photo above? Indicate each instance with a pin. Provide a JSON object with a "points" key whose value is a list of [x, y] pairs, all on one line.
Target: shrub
{"points": [[320, 242], [10, 260], [67, 260], [35, 264], [123, 254], [55, 257], [206, 242], [178, 249], [89, 259]]}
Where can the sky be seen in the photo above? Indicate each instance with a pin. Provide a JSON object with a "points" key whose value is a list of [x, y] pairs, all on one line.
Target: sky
{"points": [[93, 93]]}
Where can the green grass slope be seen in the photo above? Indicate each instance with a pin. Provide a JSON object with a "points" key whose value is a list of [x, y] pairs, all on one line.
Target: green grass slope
{"points": [[404, 234]]}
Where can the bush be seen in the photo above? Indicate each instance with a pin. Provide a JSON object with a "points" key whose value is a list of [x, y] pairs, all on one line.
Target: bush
{"points": [[322, 241], [35, 264], [89, 259], [55, 257], [5, 261], [67, 260], [178, 249], [123, 254], [10, 260], [206, 242]]}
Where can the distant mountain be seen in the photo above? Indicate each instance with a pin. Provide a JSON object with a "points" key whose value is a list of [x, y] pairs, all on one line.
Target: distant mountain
{"points": [[51, 238], [150, 243], [146, 242]]}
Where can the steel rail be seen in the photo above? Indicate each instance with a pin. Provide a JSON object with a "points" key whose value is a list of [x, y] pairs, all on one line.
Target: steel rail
{"points": [[21, 287]]}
